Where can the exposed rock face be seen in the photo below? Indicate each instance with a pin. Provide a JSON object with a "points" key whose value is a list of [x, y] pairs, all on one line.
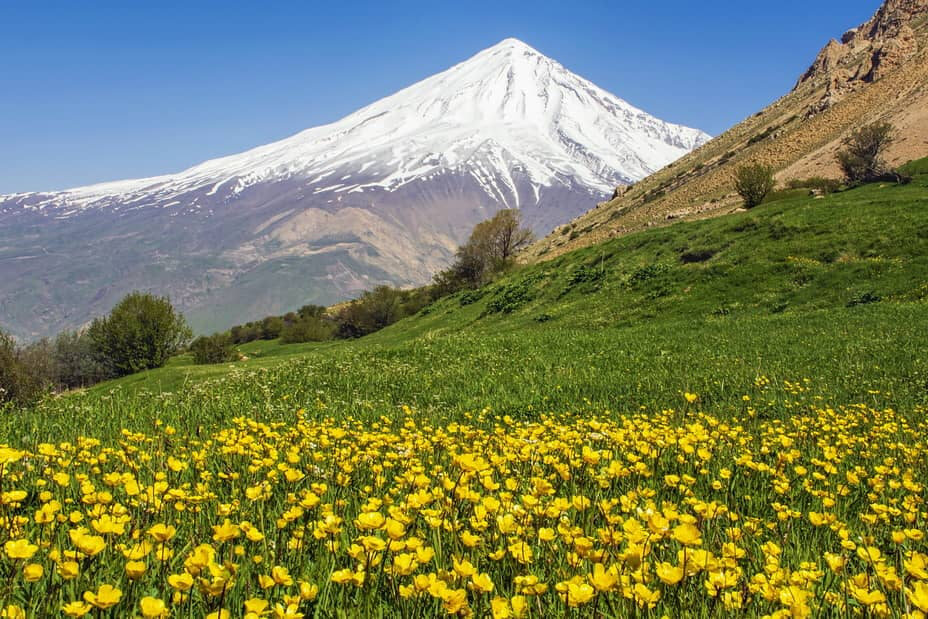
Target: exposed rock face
{"points": [[867, 53]]}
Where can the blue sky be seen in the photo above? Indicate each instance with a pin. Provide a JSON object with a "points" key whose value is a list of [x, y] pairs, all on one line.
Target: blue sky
{"points": [[96, 91]]}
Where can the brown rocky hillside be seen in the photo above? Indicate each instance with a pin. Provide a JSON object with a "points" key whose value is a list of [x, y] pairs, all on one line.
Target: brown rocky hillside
{"points": [[877, 72]]}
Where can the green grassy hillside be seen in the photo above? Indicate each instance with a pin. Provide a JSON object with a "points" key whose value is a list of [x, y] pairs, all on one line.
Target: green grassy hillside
{"points": [[710, 419], [830, 290]]}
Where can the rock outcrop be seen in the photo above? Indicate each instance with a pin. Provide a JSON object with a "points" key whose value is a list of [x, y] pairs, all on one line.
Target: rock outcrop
{"points": [[867, 53]]}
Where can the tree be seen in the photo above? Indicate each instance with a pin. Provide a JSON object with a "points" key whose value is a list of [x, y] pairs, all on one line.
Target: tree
{"points": [[217, 348], [490, 248], [17, 383], [499, 238], [308, 327], [372, 311], [753, 182], [861, 159], [75, 363], [140, 333]]}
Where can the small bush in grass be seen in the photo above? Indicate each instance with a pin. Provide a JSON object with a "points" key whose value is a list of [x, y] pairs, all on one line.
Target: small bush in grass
{"points": [[861, 159], [213, 349], [824, 185], [308, 328], [753, 181]]}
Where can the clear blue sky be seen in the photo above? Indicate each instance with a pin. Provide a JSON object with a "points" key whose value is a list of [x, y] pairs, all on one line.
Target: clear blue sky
{"points": [[95, 91]]}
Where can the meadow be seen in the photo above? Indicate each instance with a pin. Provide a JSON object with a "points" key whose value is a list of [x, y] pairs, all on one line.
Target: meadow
{"points": [[717, 417]]}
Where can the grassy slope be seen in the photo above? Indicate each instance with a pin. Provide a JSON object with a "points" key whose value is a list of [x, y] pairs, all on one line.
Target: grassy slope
{"points": [[788, 292]]}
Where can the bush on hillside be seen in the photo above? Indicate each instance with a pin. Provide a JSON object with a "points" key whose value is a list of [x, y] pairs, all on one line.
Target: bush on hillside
{"points": [[216, 348], [489, 250], [140, 333], [17, 383], [372, 311], [74, 361], [817, 183], [753, 182], [308, 328], [861, 159]]}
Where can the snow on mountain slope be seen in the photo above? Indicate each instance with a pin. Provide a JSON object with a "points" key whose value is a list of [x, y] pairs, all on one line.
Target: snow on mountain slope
{"points": [[383, 195], [509, 106]]}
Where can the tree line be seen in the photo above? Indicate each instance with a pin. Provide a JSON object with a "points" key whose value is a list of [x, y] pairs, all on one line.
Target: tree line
{"points": [[143, 331]]}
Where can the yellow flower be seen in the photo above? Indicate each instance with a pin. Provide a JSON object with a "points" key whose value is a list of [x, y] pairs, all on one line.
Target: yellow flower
{"points": [[20, 549], [645, 597], [687, 534], [226, 531], [669, 574], [308, 591], [500, 608], [135, 569], [369, 521], [162, 533], [405, 564], [76, 609], [281, 576], [482, 583], [181, 582], [835, 562], [690, 397], [603, 580], [152, 607], [9, 455], [578, 594], [870, 554], [12, 611], [521, 552], [255, 607], [918, 596], [33, 572], [105, 597], [454, 600], [69, 570], [917, 565], [471, 463], [221, 614]]}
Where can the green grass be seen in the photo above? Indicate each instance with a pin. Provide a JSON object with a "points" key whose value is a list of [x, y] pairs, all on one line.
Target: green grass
{"points": [[801, 326], [831, 291], [919, 166]]}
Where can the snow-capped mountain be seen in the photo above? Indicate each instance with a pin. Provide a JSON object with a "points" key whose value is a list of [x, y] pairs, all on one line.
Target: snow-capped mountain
{"points": [[383, 195]]}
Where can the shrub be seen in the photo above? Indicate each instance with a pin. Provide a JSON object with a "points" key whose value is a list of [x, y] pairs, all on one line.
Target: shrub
{"points": [[75, 364], [861, 159], [753, 182], [510, 298], [308, 328], [647, 273], [372, 311], [216, 348], [140, 333], [825, 185], [17, 383]]}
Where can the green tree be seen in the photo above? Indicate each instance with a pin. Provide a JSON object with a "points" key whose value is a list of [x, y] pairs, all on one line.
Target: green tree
{"points": [[17, 383], [861, 159], [217, 348], [491, 247], [753, 182], [140, 333], [308, 327]]}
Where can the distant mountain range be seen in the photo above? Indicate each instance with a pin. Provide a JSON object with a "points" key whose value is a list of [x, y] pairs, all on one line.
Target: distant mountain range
{"points": [[384, 195], [877, 72]]}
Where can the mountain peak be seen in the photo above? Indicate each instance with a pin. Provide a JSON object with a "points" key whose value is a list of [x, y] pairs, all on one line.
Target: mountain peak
{"points": [[383, 195], [513, 43]]}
